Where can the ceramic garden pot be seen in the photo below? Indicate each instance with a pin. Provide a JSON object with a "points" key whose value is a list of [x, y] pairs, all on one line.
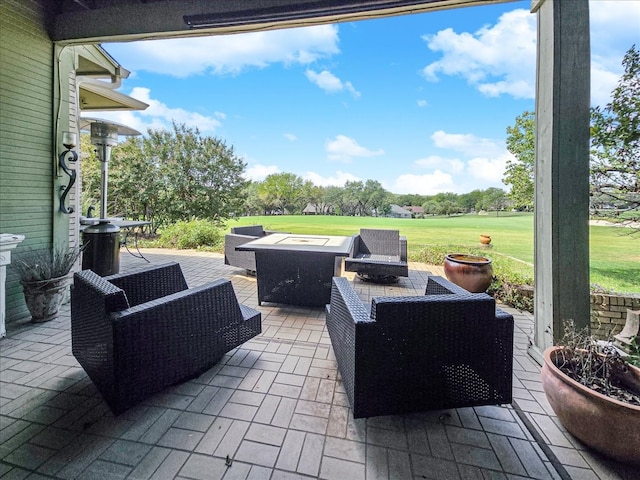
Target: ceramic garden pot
{"points": [[471, 272], [44, 298], [485, 239], [607, 425]]}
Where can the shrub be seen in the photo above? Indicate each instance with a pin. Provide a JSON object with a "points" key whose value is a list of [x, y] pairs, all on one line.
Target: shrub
{"points": [[197, 234]]}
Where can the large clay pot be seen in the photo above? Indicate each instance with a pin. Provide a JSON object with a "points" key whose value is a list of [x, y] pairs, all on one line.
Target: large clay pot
{"points": [[44, 298], [605, 424], [471, 272]]}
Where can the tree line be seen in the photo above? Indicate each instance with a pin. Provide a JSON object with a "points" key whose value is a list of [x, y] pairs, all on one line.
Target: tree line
{"points": [[169, 176]]}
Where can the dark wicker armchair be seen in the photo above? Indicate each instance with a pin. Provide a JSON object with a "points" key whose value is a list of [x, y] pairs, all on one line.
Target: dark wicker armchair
{"points": [[379, 255], [135, 334], [446, 349], [240, 236]]}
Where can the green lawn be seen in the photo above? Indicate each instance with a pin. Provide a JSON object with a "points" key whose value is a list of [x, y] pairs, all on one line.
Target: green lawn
{"points": [[614, 256]]}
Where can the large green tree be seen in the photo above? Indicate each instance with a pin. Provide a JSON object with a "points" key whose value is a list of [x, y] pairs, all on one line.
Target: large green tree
{"points": [[519, 172], [285, 191], [169, 176], [615, 141]]}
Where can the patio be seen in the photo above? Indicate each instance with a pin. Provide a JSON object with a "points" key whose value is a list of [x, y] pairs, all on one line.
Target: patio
{"points": [[273, 408]]}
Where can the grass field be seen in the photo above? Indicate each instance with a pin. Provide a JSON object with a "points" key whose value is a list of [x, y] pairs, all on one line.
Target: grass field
{"points": [[614, 256]]}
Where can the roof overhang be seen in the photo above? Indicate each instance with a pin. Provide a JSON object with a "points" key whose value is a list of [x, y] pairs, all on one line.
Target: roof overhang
{"points": [[94, 96], [126, 20]]}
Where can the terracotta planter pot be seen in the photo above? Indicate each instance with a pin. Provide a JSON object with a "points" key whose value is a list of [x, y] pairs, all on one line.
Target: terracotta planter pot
{"points": [[485, 239], [605, 424], [471, 272], [44, 298]]}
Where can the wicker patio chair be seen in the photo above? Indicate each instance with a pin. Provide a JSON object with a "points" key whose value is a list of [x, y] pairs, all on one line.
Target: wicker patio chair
{"points": [[135, 334], [446, 349], [240, 236], [379, 255]]}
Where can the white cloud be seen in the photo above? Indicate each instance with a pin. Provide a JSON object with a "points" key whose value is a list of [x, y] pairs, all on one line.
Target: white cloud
{"points": [[338, 179], [427, 184], [258, 173], [290, 136], [159, 115], [328, 82], [498, 59], [344, 148], [451, 165], [422, 103], [488, 170], [467, 143], [614, 27], [480, 166], [228, 54]]}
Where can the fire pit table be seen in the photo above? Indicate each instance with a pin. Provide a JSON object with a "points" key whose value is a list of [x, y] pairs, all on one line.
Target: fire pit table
{"points": [[297, 269]]}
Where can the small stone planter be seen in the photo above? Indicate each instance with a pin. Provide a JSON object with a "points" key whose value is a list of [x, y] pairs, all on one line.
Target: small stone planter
{"points": [[44, 298]]}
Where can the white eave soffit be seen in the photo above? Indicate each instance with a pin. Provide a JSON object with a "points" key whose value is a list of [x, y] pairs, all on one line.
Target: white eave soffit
{"points": [[97, 97]]}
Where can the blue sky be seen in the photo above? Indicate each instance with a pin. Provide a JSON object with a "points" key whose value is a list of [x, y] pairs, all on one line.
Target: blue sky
{"points": [[418, 102]]}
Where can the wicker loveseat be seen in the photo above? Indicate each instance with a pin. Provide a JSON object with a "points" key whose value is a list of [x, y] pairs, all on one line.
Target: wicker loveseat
{"points": [[240, 236], [379, 255], [135, 334], [446, 349]]}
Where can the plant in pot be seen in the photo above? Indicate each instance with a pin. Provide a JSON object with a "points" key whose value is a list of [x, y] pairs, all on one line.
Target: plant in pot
{"points": [[44, 277], [595, 393]]}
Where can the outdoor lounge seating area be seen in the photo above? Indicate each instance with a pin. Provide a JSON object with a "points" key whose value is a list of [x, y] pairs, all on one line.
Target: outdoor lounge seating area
{"points": [[274, 407]]}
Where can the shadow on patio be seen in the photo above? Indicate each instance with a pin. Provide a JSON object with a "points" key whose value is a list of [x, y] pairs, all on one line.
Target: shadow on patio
{"points": [[272, 408]]}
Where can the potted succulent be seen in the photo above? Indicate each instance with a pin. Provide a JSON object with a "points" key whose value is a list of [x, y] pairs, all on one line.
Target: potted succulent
{"points": [[44, 278], [595, 392]]}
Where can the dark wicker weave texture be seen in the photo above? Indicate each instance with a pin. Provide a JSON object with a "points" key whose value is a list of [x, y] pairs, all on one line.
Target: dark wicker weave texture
{"points": [[240, 236], [446, 349], [136, 334], [379, 253], [296, 277]]}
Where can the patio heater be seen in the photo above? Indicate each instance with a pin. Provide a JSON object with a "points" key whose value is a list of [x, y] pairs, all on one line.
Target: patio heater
{"points": [[102, 237]]}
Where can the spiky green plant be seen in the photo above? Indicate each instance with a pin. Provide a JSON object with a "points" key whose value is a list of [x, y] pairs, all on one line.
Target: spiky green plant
{"points": [[44, 264]]}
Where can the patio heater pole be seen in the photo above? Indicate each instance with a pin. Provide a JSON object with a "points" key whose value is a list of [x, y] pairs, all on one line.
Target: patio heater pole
{"points": [[102, 241], [104, 136]]}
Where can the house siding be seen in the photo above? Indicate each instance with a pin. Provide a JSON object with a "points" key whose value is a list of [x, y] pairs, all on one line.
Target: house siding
{"points": [[26, 133]]}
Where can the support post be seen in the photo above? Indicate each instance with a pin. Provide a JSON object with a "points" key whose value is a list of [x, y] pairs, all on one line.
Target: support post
{"points": [[561, 258]]}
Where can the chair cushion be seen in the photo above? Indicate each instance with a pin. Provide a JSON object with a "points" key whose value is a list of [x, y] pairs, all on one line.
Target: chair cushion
{"points": [[375, 258], [381, 242]]}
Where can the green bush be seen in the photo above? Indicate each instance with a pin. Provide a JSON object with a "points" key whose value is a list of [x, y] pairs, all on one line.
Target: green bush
{"points": [[512, 279], [197, 234]]}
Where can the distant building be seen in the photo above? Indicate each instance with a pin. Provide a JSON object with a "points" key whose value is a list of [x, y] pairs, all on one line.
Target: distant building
{"points": [[415, 209], [398, 212], [310, 210]]}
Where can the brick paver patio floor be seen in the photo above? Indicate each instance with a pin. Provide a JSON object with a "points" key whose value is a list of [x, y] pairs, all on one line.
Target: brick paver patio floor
{"points": [[273, 408]]}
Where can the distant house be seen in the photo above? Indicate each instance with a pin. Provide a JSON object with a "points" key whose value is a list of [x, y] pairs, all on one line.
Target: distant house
{"points": [[416, 210], [398, 212], [310, 210]]}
